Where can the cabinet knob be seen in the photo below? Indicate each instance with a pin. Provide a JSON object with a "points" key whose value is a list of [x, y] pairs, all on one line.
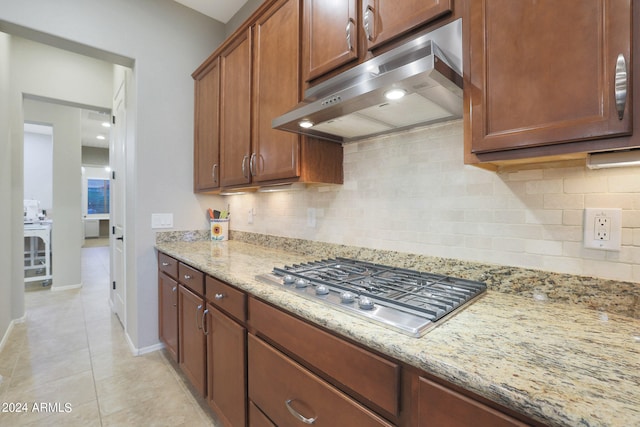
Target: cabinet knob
{"points": [[166, 264], [218, 296], [187, 277]]}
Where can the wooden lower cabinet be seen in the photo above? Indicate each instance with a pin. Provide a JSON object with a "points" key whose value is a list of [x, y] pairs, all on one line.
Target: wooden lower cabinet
{"points": [[192, 342], [260, 366], [168, 313], [257, 418], [443, 407], [226, 367], [289, 394]]}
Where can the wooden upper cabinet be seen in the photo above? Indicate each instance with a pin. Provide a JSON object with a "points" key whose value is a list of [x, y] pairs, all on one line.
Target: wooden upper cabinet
{"points": [[330, 35], [275, 91], [235, 111], [543, 72], [206, 136], [384, 20]]}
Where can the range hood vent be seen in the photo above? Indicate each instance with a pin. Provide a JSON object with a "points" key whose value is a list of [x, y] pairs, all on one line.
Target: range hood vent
{"points": [[353, 105]]}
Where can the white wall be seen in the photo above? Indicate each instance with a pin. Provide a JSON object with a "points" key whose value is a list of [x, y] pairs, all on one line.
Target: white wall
{"points": [[38, 169], [166, 42], [66, 233], [9, 305], [411, 193]]}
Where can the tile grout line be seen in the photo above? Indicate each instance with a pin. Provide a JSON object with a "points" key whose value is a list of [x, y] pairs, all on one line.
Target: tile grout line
{"points": [[93, 373]]}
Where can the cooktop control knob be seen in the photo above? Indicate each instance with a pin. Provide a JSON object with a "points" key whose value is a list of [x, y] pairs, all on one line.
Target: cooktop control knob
{"points": [[302, 283], [365, 303], [288, 279], [322, 290], [347, 297]]}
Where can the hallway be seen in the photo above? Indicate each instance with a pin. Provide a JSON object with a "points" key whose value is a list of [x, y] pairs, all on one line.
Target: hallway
{"points": [[69, 364]]}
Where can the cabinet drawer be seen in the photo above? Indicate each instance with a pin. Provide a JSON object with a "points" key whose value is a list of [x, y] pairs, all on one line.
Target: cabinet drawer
{"points": [[191, 278], [440, 406], [168, 265], [375, 380], [286, 391], [227, 298]]}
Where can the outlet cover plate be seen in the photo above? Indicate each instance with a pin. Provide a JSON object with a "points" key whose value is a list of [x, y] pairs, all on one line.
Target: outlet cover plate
{"points": [[612, 224], [162, 220]]}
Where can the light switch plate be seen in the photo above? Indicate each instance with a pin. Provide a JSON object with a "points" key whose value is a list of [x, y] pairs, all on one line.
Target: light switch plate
{"points": [[164, 220], [603, 229]]}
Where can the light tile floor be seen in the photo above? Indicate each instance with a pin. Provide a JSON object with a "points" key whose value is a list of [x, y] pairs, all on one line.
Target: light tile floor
{"points": [[71, 355]]}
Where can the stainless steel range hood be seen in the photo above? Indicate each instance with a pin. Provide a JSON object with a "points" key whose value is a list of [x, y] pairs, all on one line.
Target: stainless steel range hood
{"points": [[352, 105]]}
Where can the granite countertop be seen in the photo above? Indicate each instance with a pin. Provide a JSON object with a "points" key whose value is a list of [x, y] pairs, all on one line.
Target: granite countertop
{"points": [[555, 361]]}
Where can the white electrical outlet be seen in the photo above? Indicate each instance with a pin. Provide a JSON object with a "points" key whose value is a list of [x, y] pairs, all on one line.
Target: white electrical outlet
{"points": [[250, 215], [162, 220], [603, 229]]}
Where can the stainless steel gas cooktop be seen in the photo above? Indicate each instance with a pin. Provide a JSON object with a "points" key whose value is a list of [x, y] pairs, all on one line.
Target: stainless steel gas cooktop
{"points": [[408, 301]]}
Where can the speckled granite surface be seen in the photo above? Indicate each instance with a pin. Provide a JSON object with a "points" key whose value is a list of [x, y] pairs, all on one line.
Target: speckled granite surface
{"points": [[556, 361]]}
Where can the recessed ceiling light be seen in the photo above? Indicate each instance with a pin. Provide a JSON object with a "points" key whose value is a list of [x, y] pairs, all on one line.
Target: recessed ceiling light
{"points": [[395, 94], [305, 124], [100, 137], [106, 124]]}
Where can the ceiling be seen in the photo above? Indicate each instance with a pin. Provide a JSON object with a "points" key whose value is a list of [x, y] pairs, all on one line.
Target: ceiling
{"points": [[220, 10], [91, 127]]}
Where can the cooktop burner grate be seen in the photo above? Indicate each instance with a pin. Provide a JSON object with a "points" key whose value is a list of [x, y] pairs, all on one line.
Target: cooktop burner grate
{"points": [[406, 300]]}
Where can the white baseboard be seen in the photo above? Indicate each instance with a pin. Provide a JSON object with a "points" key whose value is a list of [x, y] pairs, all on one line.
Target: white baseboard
{"points": [[144, 350], [14, 322], [66, 288]]}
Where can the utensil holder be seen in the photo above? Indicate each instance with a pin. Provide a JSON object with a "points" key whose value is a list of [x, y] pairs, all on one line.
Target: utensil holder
{"points": [[220, 229]]}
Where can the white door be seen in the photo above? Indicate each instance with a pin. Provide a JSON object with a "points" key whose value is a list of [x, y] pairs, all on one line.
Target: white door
{"points": [[117, 161]]}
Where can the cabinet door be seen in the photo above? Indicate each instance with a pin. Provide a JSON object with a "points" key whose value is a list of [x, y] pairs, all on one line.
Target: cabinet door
{"points": [[226, 363], [275, 86], [385, 20], [330, 35], [442, 407], [168, 313], [235, 111], [206, 154], [544, 72], [191, 339]]}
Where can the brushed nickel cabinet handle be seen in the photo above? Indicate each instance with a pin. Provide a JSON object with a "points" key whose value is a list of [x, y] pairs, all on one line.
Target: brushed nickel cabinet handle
{"points": [[175, 288], [244, 168], [214, 173], [199, 308], [204, 322], [166, 264], [367, 23], [621, 85], [252, 164], [349, 35], [187, 277], [218, 296], [297, 414]]}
